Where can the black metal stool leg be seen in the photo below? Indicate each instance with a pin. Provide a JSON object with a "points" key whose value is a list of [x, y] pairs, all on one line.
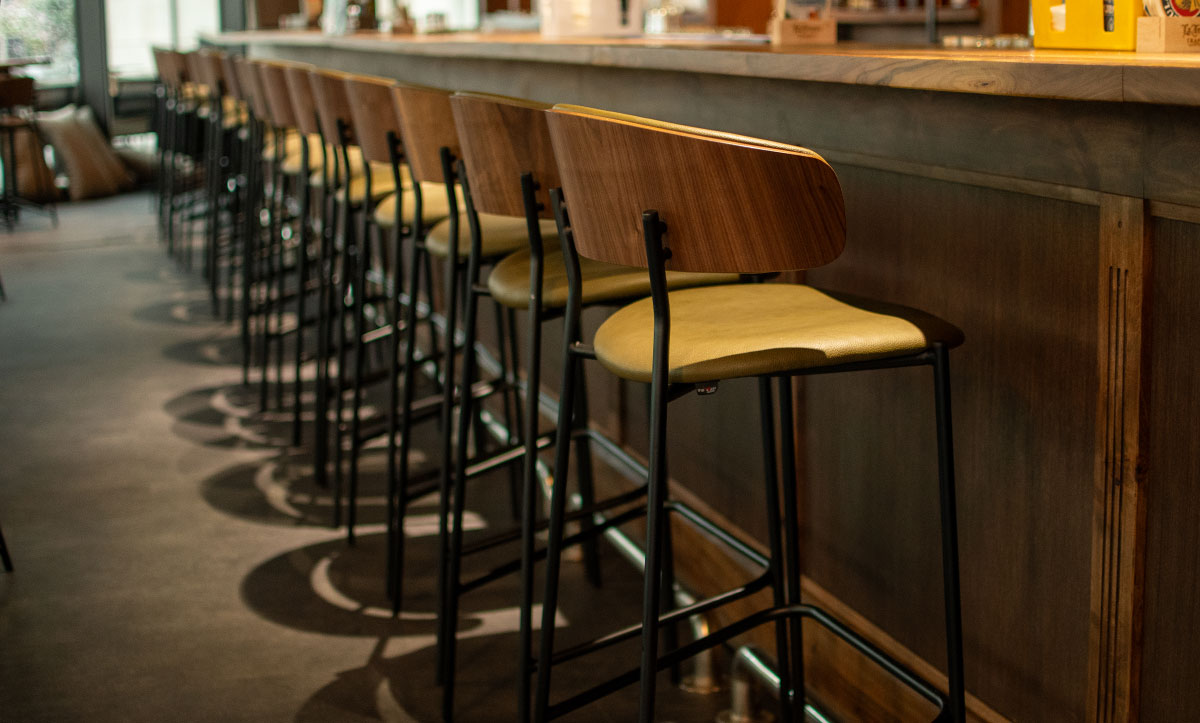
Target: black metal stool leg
{"points": [[529, 493], [250, 238], [349, 259], [507, 342], [4, 556], [451, 293], [466, 414], [791, 541], [585, 473], [363, 261], [956, 702], [775, 544], [657, 482], [304, 238], [325, 267], [338, 383], [270, 263], [395, 518], [407, 395], [446, 451], [558, 510]]}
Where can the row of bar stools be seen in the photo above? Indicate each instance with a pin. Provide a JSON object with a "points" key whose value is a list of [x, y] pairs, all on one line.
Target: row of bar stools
{"points": [[421, 202], [533, 279], [177, 144], [286, 215], [602, 177], [358, 194]]}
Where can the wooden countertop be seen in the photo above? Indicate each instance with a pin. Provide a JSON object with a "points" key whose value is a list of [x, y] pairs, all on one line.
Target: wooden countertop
{"points": [[1071, 75]]}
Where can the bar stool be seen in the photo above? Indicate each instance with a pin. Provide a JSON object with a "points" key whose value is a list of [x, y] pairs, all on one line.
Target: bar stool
{"points": [[426, 212], [622, 175], [314, 218], [221, 122], [260, 148], [385, 222], [162, 103], [239, 138], [286, 233], [171, 76], [252, 143], [510, 165], [203, 110], [359, 193]]}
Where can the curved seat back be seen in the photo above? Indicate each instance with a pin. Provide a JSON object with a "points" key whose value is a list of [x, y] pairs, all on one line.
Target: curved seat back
{"points": [[732, 204]]}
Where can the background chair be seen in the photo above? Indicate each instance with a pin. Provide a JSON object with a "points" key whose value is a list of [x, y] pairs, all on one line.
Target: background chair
{"points": [[16, 103]]}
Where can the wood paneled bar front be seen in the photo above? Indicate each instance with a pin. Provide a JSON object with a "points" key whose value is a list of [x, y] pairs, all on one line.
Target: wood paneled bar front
{"points": [[1046, 202]]}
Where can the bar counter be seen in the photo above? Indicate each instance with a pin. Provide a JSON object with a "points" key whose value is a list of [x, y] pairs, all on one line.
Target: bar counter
{"points": [[1046, 202]]}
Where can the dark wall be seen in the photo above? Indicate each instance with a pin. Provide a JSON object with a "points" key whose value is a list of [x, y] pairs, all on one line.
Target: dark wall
{"points": [[93, 60], [233, 15]]}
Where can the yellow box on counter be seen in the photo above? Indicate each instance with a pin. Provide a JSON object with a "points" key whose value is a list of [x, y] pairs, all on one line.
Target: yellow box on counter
{"points": [[1086, 24], [1168, 35]]}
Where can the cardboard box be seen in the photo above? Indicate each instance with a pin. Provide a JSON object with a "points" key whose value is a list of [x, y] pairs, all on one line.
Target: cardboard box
{"points": [[1168, 35], [787, 31]]}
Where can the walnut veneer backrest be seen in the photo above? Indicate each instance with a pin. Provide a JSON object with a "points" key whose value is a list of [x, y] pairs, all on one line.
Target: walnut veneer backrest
{"points": [[333, 105], [304, 107], [502, 139], [427, 125], [275, 91], [370, 102], [251, 85], [731, 203]]}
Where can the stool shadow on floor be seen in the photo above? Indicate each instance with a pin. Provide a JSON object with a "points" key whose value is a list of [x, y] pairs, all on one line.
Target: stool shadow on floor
{"points": [[396, 681], [182, 311], [282, 490], [333, 589], [220, 350], [156, 274], [226, 416]]}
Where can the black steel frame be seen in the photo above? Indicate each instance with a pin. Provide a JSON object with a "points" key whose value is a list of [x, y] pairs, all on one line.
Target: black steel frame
{"points": [[522, 447], [5, 558]]}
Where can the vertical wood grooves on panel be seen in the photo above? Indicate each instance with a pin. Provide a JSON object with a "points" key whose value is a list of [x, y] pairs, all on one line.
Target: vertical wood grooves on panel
{"points": [[1118, 520]]}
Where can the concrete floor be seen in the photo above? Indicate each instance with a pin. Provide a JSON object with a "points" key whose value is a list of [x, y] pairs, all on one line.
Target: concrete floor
{"points": [[173, 560]]}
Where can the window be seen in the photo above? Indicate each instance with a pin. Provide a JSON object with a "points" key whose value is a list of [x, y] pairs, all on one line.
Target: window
{"points": [[459, 14], [41, 28], [135, 26]]}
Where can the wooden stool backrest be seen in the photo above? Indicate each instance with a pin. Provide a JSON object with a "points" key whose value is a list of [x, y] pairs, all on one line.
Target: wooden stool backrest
{"points": [[209, 73], [162, 65], [731, 203], [502, 139], [333, 105], [251, 83], [300, 91], [370, 102], [427, 126], [172, 70], [275, 92], [193, 70], [229, 73]]}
